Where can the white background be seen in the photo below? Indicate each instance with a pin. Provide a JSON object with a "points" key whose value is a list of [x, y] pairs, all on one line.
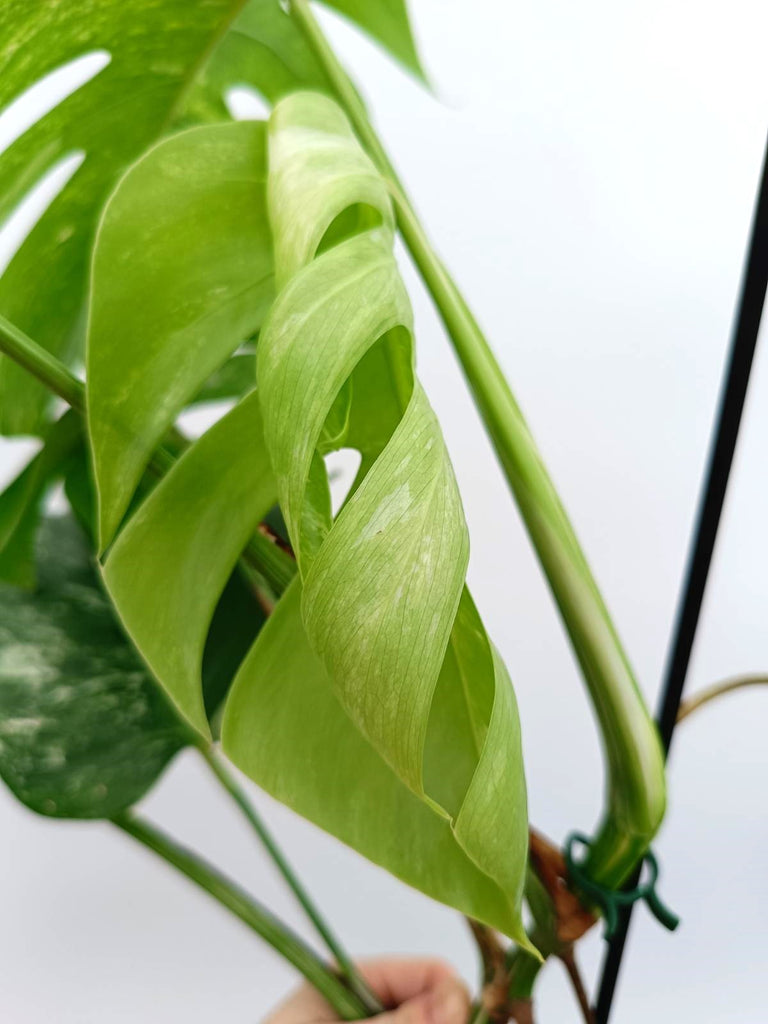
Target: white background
{"points": [[588, 171]]}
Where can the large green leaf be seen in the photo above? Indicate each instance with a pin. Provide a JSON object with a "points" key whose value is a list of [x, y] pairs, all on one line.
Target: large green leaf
{"points": [[156, 49], [285, 728], [168, 567], [384, 604], [182, 274], [84, 730]]}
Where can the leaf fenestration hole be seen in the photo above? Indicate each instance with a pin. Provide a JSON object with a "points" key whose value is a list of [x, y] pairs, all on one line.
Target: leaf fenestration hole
{"points": [[47, 93], [342, 467], [15, 454], [246, 104], [18, 225], [376, 393]]}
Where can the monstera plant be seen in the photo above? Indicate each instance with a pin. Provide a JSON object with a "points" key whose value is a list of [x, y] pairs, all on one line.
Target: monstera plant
{"points": [[203, 593]]}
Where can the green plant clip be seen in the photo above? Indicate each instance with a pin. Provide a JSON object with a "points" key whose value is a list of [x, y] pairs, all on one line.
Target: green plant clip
{"points": [[610, 900]]}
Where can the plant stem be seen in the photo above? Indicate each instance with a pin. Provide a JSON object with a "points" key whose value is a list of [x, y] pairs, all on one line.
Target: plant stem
{"points": [[41, 364], [494, 981], [478, 1014], [275, 565], [522, 972], [489, 948], [256, 917], [522, 1011], [348, 970], [717, 690], [569, 961], [636, 786]]}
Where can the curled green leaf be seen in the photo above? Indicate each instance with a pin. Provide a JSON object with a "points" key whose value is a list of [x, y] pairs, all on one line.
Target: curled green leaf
{"points": [[284, 727], [384, 604]]}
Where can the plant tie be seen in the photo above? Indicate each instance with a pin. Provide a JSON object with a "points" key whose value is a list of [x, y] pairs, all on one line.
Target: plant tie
{"points": [[611, 900]]}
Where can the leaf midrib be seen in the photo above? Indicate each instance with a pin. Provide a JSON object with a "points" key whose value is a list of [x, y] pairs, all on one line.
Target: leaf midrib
{"points": [[188, 80]]}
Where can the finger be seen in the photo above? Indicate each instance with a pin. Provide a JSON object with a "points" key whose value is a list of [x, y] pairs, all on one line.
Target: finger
{"points": [[304, 1006], [445, 1003], [424, 991], [396, 980]]}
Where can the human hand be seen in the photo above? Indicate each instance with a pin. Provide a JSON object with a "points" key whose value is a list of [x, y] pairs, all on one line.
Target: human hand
{"points": [[413, 991]]}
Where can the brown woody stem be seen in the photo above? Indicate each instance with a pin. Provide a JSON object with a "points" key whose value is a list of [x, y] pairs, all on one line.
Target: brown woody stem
{"points": [[521, 1011], [569, 961]]}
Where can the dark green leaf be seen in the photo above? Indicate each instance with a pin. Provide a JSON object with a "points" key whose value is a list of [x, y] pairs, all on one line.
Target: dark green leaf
{"points": [[80, 492], [236, 622], [84, 730]]}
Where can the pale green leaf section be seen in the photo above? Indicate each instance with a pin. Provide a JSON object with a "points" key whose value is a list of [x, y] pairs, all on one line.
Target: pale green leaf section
{"points": [[321, 326], [84, 730], [382, 593], [284, 727], [156, 49], [384, 604], [168, 568], [312, 141], [182, 274]]}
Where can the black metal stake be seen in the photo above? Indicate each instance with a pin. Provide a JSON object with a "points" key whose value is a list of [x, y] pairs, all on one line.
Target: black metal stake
{"points": [[723, 445]]}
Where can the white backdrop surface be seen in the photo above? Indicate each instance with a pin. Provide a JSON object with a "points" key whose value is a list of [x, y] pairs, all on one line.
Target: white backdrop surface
{"points": [[588, 171]]}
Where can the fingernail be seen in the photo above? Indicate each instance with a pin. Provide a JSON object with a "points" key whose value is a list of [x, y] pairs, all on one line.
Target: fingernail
{"points": [[448, 1003]]}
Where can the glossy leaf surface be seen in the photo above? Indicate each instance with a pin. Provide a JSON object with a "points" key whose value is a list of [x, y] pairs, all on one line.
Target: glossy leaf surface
{"points": [[182, 275]]}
